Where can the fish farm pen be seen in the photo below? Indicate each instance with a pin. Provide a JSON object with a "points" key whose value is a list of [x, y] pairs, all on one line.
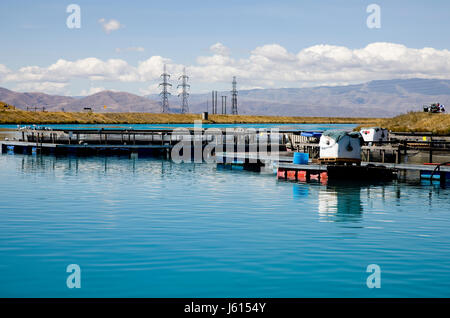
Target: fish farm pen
{"points": [[112, 141], [257, 150]]}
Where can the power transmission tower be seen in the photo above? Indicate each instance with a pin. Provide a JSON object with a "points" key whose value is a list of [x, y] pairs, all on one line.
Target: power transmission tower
{"points": [[234, 109], [184, 92], [165, 92]]}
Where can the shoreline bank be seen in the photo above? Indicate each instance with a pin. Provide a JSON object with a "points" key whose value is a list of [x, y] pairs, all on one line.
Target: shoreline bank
{"points": [[41, 118], [410, 122]]}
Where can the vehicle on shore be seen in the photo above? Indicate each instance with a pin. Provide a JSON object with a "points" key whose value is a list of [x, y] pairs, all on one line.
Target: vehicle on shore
{"points": [[434, 108]]}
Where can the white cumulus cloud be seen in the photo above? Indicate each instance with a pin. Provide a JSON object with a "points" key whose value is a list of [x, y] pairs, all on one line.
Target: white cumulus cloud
{"points": [[4, 70], [91, 91], [266, 66], [273, 52], [109, 26], [219, 49], [88, 68], [150, 89], [47, 87], [130, 49]]}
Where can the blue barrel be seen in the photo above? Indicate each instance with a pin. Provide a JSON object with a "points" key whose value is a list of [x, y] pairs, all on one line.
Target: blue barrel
{"points": [[301, 158]]}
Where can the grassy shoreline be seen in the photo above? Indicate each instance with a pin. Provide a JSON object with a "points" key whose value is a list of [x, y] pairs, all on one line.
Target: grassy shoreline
{"points": [[41, 118], [417, 122], [410, 122]]}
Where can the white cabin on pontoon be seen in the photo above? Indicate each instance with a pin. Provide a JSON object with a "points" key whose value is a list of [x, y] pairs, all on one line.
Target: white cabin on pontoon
{"points": [[340, 145], [374, 134]]}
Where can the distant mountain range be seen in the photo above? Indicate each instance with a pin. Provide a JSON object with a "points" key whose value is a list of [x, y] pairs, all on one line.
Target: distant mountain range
{"points": [[372, 99], [114, 101]]}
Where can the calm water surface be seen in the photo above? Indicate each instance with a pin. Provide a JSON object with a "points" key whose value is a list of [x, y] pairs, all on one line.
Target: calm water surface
{"points": [[152, 228]]}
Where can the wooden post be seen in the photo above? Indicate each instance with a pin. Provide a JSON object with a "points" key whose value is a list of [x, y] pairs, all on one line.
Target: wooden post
{"points": [[382, 155], [430, 155]]}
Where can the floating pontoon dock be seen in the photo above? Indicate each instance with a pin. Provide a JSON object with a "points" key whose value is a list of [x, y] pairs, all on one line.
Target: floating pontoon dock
{"points": [[366, 171], [285, 169]]}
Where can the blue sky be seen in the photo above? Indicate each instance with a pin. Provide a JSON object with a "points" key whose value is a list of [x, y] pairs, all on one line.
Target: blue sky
{"points": [[34, 33]]}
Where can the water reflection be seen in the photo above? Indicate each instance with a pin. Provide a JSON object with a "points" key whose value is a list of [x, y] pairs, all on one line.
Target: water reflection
{"points": [[300, 190], [340, 203], [74, 166], [335, 202], [344, 201]]}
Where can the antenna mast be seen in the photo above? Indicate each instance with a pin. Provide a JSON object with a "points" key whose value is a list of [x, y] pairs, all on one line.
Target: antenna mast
{"points": [[165, 92]]}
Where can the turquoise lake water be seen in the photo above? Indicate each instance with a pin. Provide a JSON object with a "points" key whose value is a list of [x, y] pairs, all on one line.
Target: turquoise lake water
{"points": [[146, 227], [152, 228]]}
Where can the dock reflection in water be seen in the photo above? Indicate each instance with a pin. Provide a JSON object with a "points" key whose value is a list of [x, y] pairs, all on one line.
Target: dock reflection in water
{"points": [[340, 203], [75, 165]]}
